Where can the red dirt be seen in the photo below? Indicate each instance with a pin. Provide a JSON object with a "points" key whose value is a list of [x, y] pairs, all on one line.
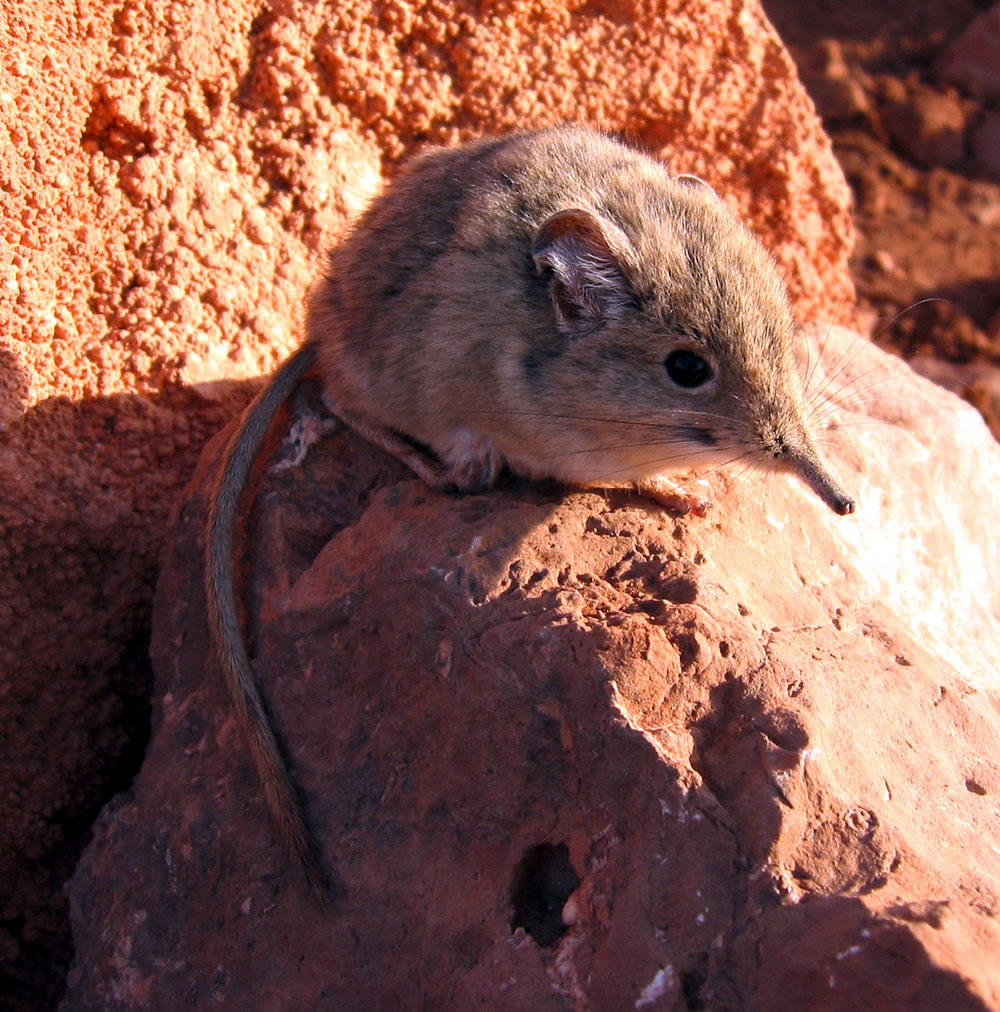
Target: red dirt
{"points": [[917, 141]]}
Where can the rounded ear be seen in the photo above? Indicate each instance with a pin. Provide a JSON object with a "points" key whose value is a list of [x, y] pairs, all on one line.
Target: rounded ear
{"points": [[687, 179], [588, 287]]}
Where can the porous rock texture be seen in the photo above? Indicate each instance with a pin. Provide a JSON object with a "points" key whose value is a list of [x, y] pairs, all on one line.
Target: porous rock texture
{"points": [[169, 176], [564, 751]]}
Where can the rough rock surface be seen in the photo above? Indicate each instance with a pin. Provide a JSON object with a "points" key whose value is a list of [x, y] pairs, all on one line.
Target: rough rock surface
{"points": [[169, 174], [759, 748]]}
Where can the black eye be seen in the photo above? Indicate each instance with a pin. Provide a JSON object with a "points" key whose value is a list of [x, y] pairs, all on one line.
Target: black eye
{"points": [[687, 369]]}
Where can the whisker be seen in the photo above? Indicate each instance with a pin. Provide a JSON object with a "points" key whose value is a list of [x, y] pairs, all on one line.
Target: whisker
{"points": [[751, 465], [725, 463], [851, 401], [837, 361], [811, 365], [903, 312], [841, 366], [864, 421], [836, 397], [854, 401], [663, 460], [844, 400], [602, 419], [876, 367], [601, 448], [847, 358]]}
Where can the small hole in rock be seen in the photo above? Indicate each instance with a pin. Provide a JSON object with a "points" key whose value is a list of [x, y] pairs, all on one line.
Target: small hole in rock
{"points": [[543, 881], [974, 787], [651, 607], [692, 983]]}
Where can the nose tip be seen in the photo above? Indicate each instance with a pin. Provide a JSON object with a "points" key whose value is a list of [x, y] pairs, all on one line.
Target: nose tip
{"points": [[828, 490]]}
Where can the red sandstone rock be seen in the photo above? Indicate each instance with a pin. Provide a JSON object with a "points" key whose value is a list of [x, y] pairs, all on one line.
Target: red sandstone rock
{"points": [[759, 748], [926, 125], [837, 88], [170, 175], [985, 145], [971, 62]]}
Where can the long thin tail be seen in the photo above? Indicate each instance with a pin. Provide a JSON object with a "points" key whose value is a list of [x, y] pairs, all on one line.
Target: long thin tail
{"points": [[237, 461]]}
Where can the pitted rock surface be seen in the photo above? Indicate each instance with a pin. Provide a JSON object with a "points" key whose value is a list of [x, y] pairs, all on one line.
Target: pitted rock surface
{"points": [[564, 751]]}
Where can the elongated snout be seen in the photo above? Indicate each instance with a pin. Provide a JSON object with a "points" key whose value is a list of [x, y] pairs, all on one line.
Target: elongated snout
{"points": [[805, 462]]}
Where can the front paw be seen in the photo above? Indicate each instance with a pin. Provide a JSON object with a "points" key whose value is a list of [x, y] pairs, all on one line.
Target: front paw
{"points": [[677, 500]]}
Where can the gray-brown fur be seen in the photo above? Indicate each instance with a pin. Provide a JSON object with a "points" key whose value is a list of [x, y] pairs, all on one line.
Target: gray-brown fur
{"points": [[517, 302]]}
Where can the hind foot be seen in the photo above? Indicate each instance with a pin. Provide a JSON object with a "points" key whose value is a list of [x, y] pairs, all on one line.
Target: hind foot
{"points": [[472, 463]]}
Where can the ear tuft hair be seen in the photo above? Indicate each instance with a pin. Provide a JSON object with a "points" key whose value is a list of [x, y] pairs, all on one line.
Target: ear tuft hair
{"points": [[588, 287]]}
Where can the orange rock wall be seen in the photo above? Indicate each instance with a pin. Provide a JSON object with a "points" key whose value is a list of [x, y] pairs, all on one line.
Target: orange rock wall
{"points": [[172, 171], [169, 176]]}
